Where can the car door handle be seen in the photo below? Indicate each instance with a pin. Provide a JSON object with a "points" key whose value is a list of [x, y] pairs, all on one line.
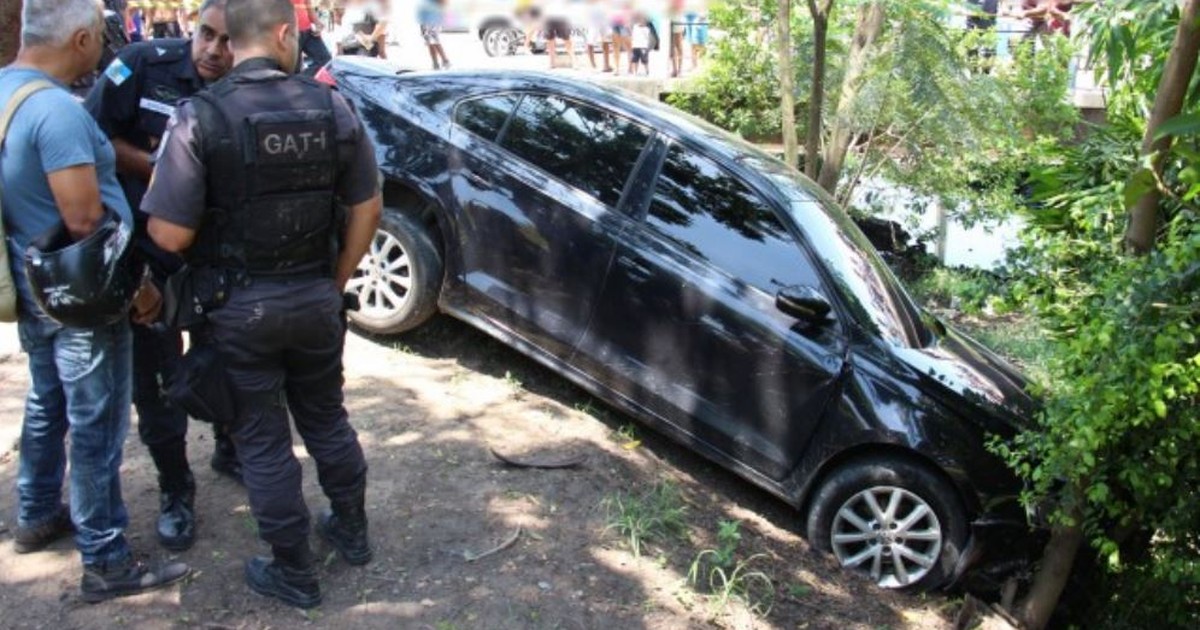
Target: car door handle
{"points": [[637, 270], [477, 179]]}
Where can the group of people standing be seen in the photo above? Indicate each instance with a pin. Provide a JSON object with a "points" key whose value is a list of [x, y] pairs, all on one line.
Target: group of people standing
{"points": [[235, 198], [621, 26]]}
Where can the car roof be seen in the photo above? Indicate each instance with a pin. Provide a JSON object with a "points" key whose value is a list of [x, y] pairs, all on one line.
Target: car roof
{"points": [[441, 90]]}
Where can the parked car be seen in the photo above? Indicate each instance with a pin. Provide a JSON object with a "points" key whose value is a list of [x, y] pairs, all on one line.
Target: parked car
{"points": [[499, 29], [703, 287]]}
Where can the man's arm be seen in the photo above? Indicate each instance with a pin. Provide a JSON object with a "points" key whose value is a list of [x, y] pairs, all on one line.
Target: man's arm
{"points": [[176, 197], [77, 194], [171, 237], [360, 230], [358, 187], [132, 160]]}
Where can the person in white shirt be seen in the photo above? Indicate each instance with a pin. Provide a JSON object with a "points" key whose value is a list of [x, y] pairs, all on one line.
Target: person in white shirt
{"points": [[641, 44]]}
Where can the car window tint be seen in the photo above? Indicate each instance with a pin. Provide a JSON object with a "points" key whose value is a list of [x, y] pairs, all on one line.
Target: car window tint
{"points": [[586, 147], [486, 116], [711, 213]]}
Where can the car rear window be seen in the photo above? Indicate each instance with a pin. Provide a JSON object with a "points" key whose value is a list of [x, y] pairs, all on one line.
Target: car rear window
{"points": [[586, 147], [486, 116]]}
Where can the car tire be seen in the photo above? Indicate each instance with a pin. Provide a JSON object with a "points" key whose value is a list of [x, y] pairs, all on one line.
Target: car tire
{"points": [[500, 41], [853, 504], [399, 278]]}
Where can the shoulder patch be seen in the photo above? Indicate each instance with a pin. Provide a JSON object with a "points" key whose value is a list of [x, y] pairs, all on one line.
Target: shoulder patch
{"points": [[117, 72]]}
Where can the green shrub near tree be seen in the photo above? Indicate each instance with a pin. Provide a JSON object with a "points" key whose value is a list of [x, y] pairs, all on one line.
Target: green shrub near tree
{"points": [[1116, 452]]}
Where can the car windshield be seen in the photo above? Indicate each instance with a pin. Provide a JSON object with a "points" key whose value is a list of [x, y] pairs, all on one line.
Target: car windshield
{"points": [[878, 298]]}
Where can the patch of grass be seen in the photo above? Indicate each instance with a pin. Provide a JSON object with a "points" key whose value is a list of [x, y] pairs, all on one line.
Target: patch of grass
{"points": [[590, 407], [798, 591], [968, 290], [1016, 338], [719, 573], [250, 523], [513, 381], [627, 436], [656, 514], [980, 304]]}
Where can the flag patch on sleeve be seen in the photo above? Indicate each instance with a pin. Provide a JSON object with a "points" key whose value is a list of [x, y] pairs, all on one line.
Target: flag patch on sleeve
{"points": [[117, 72]]}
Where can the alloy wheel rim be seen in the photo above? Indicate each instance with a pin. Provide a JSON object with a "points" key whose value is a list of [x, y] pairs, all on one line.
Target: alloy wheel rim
{"points": [[888, 532], [383, 280]]}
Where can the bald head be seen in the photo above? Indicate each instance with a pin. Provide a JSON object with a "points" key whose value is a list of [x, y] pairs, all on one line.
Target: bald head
{"points": [[256, 21], [263, 28]]}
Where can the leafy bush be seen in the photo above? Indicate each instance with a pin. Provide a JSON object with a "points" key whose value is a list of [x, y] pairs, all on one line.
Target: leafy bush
{"points": [[740, 90], [1118, 445]]}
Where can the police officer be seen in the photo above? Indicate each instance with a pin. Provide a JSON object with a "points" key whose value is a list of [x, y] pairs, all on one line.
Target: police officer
{"points": [[132, 102], [249, 183]]}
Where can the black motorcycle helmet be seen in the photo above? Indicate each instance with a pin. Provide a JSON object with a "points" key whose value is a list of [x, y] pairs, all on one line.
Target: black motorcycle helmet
{"points": [[87, 283]]}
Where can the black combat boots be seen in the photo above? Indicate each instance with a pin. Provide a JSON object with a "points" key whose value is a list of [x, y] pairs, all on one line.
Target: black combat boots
{"points": [[345, 527], [176, 514], [290, 577]]}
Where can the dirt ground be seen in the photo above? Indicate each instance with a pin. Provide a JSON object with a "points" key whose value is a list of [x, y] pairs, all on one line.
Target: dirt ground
{"points": [[428, 407]]}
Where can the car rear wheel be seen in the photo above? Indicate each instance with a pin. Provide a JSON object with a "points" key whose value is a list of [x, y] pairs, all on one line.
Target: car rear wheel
{"points": [[399, 278], [892, 519]]}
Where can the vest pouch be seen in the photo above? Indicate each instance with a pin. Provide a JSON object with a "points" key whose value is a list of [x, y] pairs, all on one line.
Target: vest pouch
{"points": [[191, 293]]}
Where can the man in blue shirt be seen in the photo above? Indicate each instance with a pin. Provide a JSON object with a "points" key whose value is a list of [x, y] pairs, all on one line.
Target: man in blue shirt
{"points": [[57, 165], [132, 101]]}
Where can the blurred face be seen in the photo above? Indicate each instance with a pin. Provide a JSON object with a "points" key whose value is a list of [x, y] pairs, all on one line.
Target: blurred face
{"points": [[210, 46]]}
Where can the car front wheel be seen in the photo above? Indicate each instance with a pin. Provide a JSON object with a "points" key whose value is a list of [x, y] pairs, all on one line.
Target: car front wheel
{"points": [[399, 278], [892, 519]]}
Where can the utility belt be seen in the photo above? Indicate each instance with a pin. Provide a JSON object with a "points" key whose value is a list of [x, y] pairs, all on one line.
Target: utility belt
{"points": [[191, 293]]}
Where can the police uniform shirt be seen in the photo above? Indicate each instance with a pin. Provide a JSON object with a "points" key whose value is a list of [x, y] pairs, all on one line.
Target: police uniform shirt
{"points": [[138, 92], [177, 192]]}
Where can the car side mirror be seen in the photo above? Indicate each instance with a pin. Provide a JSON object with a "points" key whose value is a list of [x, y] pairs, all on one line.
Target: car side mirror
{"points": [[804, 303]]}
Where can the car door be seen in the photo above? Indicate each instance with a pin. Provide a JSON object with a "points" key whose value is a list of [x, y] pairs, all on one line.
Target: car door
{"points": [[536, 208], [687, 326]]}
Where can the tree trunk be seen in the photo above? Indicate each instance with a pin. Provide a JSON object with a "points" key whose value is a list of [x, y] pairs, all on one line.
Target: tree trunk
{"points": [[1057, 559], [1168, 102], [820, 10], [866, 32], [10, 30], [787, 89]]}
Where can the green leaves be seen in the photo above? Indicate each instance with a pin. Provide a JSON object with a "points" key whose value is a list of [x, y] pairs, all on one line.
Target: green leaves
{"points": [[1181, 125], [1140, 183]]}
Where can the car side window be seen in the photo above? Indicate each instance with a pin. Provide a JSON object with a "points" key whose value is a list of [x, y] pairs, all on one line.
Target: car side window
{"points": [[712, 214], [486, 116], [586, 147]]}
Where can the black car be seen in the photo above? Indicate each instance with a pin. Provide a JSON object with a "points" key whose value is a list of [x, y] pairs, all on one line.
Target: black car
{"points": [[703, 287]]}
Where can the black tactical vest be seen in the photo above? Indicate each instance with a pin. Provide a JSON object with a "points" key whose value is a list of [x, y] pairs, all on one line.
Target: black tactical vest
{"points": [[269, 143]]}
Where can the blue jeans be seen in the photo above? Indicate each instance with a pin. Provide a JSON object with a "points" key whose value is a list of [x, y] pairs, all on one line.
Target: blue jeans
{"points": [[81, 380]]}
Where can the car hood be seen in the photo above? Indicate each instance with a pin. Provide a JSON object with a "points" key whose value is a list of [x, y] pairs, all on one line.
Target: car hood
{"points": [[969, 378]]}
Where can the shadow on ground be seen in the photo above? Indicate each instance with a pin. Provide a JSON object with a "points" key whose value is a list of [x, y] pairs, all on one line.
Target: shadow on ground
{"points": [[428, 407]]}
